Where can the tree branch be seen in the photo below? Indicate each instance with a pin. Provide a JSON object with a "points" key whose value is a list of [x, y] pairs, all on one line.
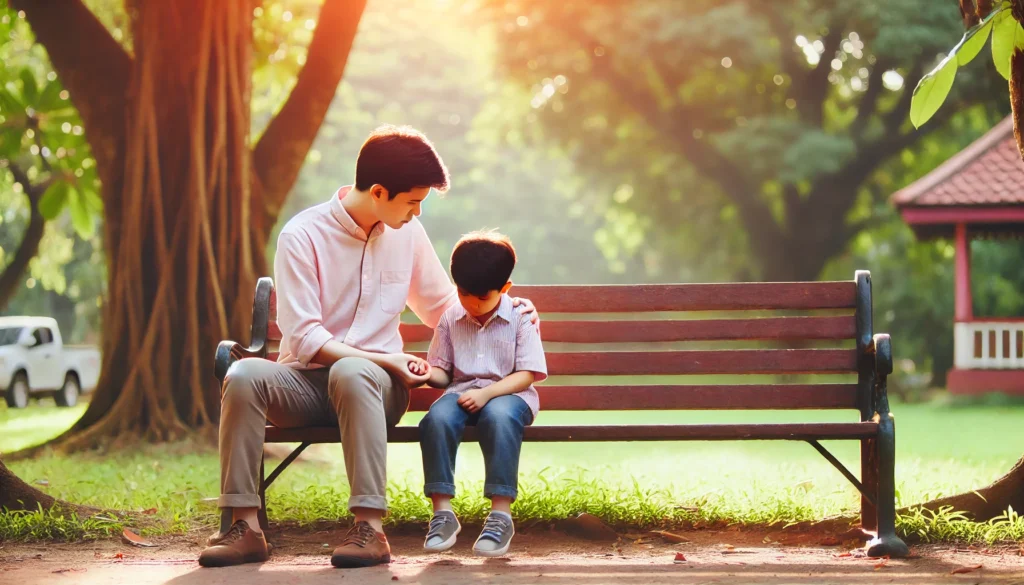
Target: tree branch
{"points": [[815, 88], [10, 278], [868, 106], [282, 149]]}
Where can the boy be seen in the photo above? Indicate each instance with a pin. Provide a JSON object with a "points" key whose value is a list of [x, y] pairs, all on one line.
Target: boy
{"points": [[487, 356]]}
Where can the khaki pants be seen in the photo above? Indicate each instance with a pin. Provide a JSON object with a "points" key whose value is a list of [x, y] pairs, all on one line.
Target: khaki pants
{"points": [[355, 394]]}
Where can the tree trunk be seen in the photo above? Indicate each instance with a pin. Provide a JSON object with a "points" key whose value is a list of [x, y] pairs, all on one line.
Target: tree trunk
{"points": [[18, 495], [187, 243], [988, 502], [10, 279], [187, 213]]}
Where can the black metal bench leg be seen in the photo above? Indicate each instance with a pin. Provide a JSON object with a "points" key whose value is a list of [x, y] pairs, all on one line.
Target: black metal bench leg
{"points": [[262, 512], [887, 543], [226, 516], [869, 477]]}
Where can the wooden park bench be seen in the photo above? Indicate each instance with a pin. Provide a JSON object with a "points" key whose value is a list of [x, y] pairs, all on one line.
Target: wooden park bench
{"points": [[789, 330]]}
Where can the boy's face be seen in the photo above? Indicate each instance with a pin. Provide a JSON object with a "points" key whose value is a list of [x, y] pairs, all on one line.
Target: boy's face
{"points": [[479, 306], [399, 211]]}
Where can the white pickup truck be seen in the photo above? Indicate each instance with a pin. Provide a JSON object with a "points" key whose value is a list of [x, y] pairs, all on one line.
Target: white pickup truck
{"points": [[35, 362]]}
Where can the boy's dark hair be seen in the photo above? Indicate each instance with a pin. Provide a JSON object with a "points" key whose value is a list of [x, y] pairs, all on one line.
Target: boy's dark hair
{"points": [[399, 158], [482, 262]]}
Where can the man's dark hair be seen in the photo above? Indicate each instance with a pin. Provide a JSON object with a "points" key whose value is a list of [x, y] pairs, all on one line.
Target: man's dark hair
{"points": [[482, 262], [399, 158]]}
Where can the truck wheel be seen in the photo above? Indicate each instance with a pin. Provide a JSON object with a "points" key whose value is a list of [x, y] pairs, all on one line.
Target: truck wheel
{"points": [[68, 394], [17, 393]]}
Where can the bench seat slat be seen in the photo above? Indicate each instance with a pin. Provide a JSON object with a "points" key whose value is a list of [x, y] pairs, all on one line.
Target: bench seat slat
{"points": [[680, 397], [599, 433], [782, 328]]}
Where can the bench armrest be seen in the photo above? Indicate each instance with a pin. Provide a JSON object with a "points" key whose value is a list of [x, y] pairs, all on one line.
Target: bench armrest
{"points": [[228, 352]]}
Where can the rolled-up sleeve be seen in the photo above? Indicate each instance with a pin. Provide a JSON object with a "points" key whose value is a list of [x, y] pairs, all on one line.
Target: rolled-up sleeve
{"points": [[440, 353], [299, 313], [431, 293], [530, 350]]}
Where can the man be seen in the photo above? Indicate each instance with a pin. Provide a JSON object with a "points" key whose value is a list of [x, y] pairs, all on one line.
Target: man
{"points": [[345, 270]]}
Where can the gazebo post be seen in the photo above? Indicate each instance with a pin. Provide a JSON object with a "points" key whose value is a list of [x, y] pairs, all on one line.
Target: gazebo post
{"points": [[963, 344]]}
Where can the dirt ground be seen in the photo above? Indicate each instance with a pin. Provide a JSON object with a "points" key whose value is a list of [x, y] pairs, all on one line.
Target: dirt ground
{"points": [[539, 555]]}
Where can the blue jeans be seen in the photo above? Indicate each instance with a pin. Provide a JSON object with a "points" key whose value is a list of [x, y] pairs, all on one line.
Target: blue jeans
{"points": [[500, 425]]}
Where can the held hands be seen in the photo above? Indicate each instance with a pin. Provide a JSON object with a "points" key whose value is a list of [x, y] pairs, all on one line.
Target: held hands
{"points": [[411, 369], [473, 400]]}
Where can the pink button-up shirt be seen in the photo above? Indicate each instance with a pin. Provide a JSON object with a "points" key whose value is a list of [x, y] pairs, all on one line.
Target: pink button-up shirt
{"points": [[334, 281]]}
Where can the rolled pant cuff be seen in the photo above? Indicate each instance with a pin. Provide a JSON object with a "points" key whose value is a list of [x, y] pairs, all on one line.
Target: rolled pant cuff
{"points": [[441, 489], [491, 490], [372, 502], [239, 501]]}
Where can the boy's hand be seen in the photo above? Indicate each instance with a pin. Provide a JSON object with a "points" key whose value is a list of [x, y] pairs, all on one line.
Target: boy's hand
{"points": [[473, 400], [527, 308], [419, 368]]}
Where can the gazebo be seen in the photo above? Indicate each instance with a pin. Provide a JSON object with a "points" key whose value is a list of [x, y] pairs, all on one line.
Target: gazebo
{"points": [[979, 193]]}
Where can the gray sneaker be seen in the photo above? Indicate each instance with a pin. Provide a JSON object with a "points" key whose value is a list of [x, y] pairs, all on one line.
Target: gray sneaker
{"points": [[496, 536], [444, 527]]}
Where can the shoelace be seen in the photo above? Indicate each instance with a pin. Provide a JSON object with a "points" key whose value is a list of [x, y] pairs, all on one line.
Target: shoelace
{"points": [[494, 527], [359, 535], [235, 533], [437, 525]]}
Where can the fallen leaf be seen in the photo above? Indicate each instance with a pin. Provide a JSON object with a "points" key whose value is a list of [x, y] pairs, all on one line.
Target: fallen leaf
{"points": [[845, 554], [119, 556], [881, 564], [679, 559], [149, 511], [669, 536], [829, 541], [962, 570], [129, 537]]}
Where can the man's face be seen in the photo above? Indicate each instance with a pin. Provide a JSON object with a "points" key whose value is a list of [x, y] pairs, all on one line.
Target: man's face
{"points": [[399, 211]]}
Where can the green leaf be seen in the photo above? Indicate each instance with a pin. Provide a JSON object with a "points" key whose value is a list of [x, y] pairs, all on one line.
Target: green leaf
{"points": [[49, 99], [931, 91], [81, 219], [974, 39], [93, 201], [53, 201], [29, 88], [1004, 36]]}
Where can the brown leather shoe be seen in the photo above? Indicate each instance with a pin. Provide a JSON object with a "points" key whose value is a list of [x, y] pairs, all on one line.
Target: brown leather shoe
{"points": [[363, 547], [240, 545]]}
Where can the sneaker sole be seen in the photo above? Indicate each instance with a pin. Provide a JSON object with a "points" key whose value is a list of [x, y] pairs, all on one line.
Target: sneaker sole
{"points": [[344, 562], [444, 545], [499, 552]]}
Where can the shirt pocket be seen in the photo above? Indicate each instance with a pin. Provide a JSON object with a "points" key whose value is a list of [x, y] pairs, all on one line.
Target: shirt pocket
{"points": [[394, 290]]}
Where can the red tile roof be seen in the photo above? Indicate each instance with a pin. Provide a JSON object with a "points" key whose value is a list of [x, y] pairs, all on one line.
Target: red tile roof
{"points": [[988, 172]]}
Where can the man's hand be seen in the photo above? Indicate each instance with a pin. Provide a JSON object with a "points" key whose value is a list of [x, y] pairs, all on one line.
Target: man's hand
{"points": [[406, 367], [473, 400], [527, 308]]}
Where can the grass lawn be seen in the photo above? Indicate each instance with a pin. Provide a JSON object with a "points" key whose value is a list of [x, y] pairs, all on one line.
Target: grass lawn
{"points": [[941, 449]]}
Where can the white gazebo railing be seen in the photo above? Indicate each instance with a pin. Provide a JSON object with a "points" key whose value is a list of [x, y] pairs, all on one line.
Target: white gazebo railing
{"points": [[989, 345]]}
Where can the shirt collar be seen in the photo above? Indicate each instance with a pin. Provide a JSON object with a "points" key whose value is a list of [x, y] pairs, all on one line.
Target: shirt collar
{"points": [[504, 311], [341, 215]]}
